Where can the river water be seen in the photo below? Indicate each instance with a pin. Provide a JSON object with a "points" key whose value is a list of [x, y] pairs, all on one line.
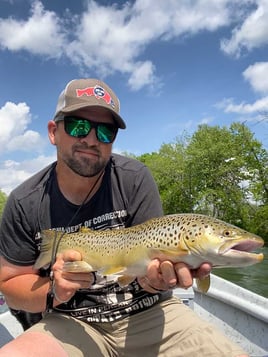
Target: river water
{"points": [[254, 278]]}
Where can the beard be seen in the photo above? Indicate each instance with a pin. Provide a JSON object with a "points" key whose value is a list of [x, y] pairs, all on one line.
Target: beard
{"points": [[85, 166]]}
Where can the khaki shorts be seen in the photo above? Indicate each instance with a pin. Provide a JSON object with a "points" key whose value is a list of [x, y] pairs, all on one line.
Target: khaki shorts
{"points": [[168, 329]]}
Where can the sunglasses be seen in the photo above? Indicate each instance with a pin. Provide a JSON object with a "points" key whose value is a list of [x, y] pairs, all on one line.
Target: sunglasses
{"points": [[79, 128]]}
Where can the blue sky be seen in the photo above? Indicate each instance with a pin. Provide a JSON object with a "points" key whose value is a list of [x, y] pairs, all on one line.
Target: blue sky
{"points": [[174, 64]]}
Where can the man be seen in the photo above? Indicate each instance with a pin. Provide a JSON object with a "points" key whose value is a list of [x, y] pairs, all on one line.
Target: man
{"points": [[86, 314]]}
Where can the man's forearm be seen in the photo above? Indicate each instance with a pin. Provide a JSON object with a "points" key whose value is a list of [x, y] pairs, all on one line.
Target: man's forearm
{"points": [[26, 292]]}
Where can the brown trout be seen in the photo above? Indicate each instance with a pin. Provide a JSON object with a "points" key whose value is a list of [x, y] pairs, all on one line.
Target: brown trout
{"points": [[189, 238]]}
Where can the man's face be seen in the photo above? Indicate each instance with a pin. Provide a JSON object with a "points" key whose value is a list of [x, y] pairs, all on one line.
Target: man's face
{"points": [[86, 156]]}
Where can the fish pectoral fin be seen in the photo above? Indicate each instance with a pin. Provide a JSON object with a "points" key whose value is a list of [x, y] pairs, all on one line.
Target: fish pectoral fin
{"points": [[125, 280], [79, 266], [203, 284]]}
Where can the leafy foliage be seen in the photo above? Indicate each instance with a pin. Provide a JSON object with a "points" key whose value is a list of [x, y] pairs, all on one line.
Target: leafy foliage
{"points": [[3, 199], [217, 171]]}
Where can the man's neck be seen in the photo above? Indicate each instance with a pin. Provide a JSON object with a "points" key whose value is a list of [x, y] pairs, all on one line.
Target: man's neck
{"points": [[77, 189]]}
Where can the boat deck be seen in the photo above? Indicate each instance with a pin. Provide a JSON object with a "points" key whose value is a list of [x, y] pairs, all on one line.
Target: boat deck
{"points": [[239, 313]]}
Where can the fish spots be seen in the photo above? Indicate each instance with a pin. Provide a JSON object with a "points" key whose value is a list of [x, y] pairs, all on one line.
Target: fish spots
{"points": [[190, 238], [192, 233]]}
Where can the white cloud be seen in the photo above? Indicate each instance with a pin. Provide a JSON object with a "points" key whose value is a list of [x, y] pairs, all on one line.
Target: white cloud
{"points": [[15, 135], [26, 142], [14, 120], [40, 34], [253, 32], [257, 75], [228, 105], [112, 39], [142, 74], [206, 120], [108, 39], [13, 173], [101, 40]]}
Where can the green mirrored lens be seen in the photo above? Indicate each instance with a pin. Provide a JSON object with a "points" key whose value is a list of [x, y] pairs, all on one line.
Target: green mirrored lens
{"points": [[105, 133], [77, 127], [80, 128]]}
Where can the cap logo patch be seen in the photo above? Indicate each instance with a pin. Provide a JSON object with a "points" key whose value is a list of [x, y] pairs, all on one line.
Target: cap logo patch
{"points": [[98, 92]]}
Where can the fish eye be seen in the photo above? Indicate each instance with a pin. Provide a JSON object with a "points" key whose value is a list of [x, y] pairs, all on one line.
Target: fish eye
{"points": [[227, 233]]}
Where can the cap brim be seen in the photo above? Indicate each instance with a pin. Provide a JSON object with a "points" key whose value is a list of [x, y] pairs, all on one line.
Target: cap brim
{"points": [[120, 122]]}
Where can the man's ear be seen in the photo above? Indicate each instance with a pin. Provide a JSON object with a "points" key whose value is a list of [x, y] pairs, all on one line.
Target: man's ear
{"points": [[52, 128]]}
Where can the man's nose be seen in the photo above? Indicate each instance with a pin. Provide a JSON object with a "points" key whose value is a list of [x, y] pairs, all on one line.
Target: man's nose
{"points": [[91, 138]]}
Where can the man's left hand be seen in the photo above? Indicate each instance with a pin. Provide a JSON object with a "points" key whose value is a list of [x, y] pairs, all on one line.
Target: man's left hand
{"points": [[167, 275]]}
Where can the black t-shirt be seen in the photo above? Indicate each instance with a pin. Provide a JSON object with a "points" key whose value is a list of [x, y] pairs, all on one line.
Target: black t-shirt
{"points": [[127, 196]]}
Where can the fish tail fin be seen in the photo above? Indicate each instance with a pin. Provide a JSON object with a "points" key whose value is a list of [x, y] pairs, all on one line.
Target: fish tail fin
{"points": [[49, 240]]}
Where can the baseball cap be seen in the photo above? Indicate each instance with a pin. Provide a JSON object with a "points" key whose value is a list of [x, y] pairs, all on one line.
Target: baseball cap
{"points": [[88, 92]]}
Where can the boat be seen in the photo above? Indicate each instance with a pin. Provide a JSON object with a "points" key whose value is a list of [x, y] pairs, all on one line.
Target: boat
{"points": [[241, 314]]}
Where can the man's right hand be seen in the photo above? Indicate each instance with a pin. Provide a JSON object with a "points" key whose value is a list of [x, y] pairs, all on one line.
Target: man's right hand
{"points": [[65, 283]]}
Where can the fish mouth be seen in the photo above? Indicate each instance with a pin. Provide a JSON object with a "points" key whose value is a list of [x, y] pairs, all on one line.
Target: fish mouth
{"points": [[247, 245], [244, 249]]}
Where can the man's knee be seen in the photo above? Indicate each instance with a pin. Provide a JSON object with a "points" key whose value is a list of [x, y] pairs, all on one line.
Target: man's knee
{"points": [[33, 344]]}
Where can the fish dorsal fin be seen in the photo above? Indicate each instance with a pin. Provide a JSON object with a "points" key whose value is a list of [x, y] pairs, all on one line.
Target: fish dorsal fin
{"points": [[203, 284]]}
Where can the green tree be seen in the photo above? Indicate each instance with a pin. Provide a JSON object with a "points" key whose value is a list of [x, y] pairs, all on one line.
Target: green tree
{"points": [[219, 171], [168, 169], [3, 199], [256, 162], [216, 166], [230, 173]]}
